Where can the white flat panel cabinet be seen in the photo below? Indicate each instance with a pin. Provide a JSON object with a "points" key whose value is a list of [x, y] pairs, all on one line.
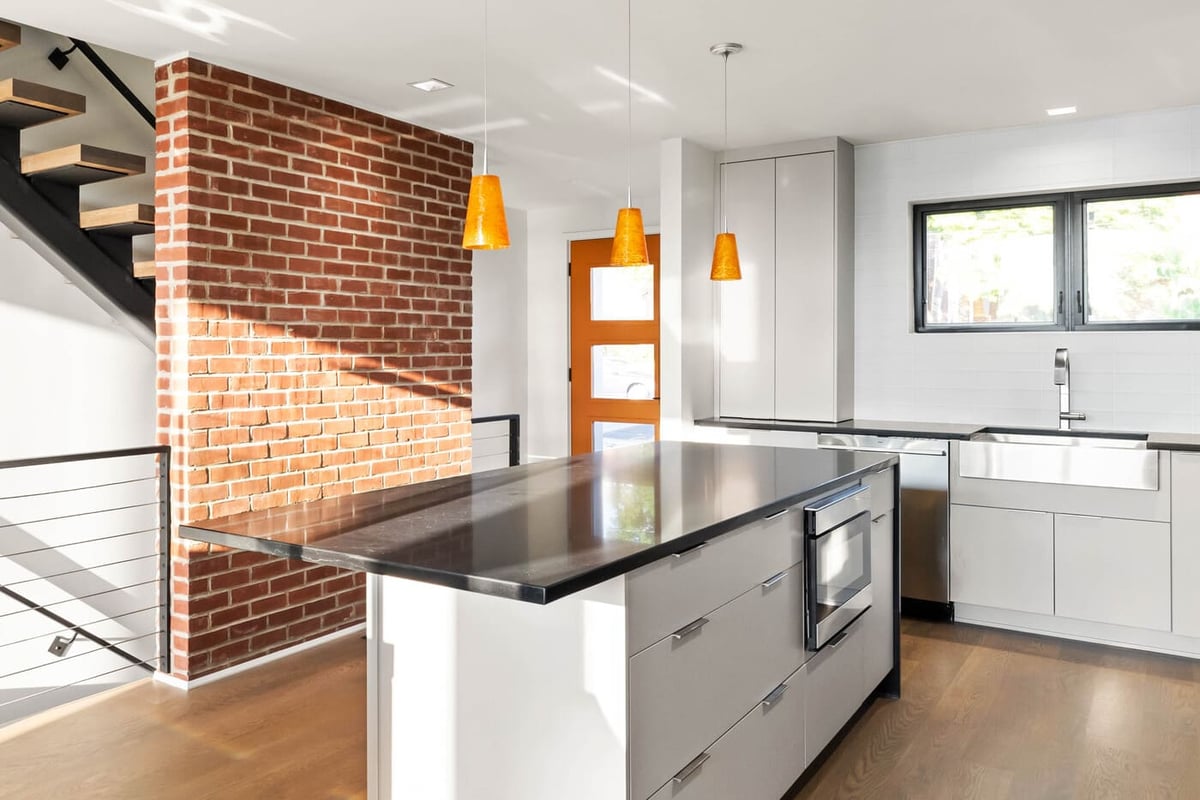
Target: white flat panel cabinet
{"points": [[835, 688], [747, 324], [1116, 571], [787, 328], [1185, 543], [878, 651], [1002, 558]]}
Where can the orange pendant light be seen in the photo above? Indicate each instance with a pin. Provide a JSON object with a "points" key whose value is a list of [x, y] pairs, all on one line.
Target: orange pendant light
{"points": [[629, 240], [486, 227], [725, 263]]}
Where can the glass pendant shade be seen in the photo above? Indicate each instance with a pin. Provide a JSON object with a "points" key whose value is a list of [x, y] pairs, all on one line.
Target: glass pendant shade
{"points": [[725, 264], [629, 243], [486, 227]]}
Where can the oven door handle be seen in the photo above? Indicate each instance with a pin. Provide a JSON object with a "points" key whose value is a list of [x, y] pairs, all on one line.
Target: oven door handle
{"points": [[813, 537], [881, 450]]}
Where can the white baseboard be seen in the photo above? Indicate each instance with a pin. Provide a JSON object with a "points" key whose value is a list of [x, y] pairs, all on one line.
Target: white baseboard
{"points": [[1079, 630], [179, 683]]}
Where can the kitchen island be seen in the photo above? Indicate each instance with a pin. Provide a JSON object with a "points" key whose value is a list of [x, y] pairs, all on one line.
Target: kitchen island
{"points": [[625, 624]]}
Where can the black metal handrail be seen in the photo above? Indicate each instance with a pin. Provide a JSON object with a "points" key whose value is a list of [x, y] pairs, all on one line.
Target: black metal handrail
{"points": [[514, 434], [67, 458], [59, 58], [71, 626]]}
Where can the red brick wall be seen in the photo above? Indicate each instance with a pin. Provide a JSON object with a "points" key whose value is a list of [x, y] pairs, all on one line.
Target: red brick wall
{"points": [[314, 318]]}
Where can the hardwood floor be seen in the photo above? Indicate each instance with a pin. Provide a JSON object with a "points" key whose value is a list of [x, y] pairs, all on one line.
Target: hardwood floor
{"points": [[295, 728], [985, 714], [992, 714]]}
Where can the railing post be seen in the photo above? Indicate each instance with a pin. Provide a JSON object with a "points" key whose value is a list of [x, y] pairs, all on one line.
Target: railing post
{"points": [[164, 561]]}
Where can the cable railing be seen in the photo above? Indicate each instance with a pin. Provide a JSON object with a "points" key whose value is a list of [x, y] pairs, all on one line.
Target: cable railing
{"points": [[495, 442], [84, 575]]}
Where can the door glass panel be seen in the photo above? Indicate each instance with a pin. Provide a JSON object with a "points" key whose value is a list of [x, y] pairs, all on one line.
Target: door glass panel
{"points": [[623, 371], [622, 293], [607, 435]]}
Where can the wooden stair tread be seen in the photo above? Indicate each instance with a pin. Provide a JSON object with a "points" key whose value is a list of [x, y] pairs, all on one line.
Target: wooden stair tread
{"points": [[24, 104], [143, 269], [130, 220], [10, 35], [82, 163]]}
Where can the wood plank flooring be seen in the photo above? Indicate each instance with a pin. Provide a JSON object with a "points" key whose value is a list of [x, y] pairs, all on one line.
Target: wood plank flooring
{"points": [[993, 714], [295, 728], [985, 714]]}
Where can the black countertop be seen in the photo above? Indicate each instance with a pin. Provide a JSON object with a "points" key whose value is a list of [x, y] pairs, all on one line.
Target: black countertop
{"points": [[541, 531], [870, 427], [931, 430]]}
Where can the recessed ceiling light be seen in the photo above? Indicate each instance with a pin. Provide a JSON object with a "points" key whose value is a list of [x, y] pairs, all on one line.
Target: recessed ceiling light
{"points": [[431, 85], [1061, 112]]}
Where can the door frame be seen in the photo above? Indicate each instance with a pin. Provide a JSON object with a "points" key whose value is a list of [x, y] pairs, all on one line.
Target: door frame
{"points": [[576, 236]]}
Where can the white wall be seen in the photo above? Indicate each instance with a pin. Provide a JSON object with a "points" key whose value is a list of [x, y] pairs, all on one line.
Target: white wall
{"points": [[1126, 380], [550, 233], [499, 363], [686, 303], [73, 380]]}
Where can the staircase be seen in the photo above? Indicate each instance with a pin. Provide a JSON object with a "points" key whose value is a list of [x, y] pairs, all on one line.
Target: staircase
{"points": [[40, 201]]}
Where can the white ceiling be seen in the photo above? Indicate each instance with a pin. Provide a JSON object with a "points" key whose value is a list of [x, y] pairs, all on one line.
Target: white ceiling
{"points": [[868, 70]]}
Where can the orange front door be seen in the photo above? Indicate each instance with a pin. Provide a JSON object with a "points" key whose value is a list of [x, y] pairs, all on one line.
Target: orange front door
{"points": [[614, 348]]}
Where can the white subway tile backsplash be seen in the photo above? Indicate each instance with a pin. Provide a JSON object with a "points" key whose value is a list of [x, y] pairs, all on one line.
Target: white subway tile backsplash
{"points": [[1122, 380]]}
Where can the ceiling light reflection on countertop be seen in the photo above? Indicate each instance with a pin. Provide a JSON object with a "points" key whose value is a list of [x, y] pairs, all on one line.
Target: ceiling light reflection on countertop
{"points": [[1061, 111], [432, 85]]}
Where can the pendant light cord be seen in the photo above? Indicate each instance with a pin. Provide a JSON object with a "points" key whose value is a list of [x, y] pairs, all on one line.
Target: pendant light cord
{"points": [[629, 102], [725, 112], [485, 87]]}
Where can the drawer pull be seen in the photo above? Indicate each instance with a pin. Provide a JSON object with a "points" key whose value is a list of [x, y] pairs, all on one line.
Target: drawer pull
{"points": [[690, 770], [690, 550], [881, 516], [775, 696], [777, 514], [833, 643], [769, 582], [689, 629]]}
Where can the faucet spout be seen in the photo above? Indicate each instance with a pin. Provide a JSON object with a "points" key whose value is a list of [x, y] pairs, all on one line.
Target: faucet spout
{"points": [[1062, 379]]}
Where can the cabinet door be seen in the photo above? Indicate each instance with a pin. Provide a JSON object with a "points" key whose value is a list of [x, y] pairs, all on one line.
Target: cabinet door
{"points": [[747, 307], [1116, 571], [1002, 558], [879, 621], [1185, 543], [806, 290]]}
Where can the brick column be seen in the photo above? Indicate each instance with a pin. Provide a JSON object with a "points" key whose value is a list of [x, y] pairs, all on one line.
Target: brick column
{"points": [[314, 324]]}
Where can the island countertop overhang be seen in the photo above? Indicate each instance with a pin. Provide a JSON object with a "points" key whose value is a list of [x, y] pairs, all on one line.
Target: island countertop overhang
{"points": [[542, 531]]}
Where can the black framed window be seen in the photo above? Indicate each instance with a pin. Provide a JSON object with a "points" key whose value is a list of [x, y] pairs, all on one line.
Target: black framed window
{"points": [[1098, 260]]}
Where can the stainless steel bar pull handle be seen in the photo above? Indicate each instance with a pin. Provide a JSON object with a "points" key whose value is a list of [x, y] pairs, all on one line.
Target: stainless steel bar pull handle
{"points": [[836, 640], [774, 579], [689, 629], [777, 514], [775, 696], [690, 550], [882, 450], [691, 768]]}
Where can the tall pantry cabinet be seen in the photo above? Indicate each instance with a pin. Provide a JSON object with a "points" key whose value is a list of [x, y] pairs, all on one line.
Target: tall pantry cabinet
{"points": [[786, 330]]}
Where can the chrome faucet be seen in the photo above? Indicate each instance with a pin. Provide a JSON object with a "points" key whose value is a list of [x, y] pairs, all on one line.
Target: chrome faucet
{"points": [[1062, 379]]}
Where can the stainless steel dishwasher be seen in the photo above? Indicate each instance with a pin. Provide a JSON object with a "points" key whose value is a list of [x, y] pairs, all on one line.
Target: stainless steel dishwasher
{"points": [[924, 516]]}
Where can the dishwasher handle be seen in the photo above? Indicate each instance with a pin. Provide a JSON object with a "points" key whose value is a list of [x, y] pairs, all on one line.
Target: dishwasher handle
{"points": [[887, 450]]}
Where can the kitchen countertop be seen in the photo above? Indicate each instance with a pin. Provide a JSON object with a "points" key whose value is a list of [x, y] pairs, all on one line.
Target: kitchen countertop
{"points": [[1174, 441], [871, 427], [542, 531]]}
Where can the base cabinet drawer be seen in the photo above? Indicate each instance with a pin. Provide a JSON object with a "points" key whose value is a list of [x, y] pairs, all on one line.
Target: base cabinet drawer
{"points": [[689, 688], [673, 591], [835, 679], [1116, 571], [1002, 558], [757, 759]]}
